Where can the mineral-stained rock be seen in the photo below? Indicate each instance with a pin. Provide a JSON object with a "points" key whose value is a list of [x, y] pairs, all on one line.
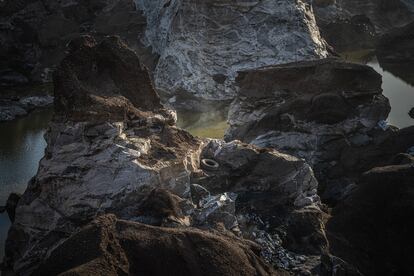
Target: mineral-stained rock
{"points": [[107, 150], [113, 148], [118, 247], [202, 44], [372, 228], [313, 110]]}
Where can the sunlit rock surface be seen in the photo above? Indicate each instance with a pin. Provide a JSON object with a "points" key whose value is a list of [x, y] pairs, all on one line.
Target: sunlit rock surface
{"points": [[114, 148]]}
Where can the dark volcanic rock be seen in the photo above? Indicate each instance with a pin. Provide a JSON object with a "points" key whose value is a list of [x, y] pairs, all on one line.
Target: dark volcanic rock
{"points": [[33, 34], [411, 113], [314, 110], [397, 46], [349, 25], [395, 52], [347, 34], [104, 82], [11, 205], [117, 247], [372, 228]]}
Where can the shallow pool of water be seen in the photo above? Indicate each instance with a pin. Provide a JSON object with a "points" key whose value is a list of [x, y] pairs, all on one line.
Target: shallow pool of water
{"points": [[21, 148], [211, 124]]}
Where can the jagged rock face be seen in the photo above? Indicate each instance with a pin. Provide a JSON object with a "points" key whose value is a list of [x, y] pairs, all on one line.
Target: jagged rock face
{"points": [[202, 44], [313, 110], [96, 160], [117, 247], [112, 145], [372, 228], [104, 82], [33, 34]]}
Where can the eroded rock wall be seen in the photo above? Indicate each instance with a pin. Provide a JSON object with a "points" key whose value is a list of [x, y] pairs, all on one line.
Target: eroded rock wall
{"points": [[202, 44], [114, 148]]}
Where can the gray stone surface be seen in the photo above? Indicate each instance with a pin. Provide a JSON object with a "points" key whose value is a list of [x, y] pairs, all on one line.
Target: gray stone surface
{"points": [[202, 44]]}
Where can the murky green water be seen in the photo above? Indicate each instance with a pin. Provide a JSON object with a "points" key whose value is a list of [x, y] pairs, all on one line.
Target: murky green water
{"points": [[211, 124], [21, 148]]}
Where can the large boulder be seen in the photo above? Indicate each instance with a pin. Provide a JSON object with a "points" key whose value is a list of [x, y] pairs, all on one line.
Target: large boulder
{"points": [[352, 25], [372, 228], [103, 82], [202, 44], [110, 143], [395, 52], [315, 110]]}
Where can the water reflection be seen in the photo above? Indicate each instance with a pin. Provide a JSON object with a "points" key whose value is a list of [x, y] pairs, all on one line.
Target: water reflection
{"points": [[21, 147], [400, 94], [397, 85]]}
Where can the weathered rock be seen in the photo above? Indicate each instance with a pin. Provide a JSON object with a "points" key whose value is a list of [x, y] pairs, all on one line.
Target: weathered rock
{"points": [[117, 247], [372, 228], [350, 25], [313, 110], [99, 158], [267, 184], [395, 52], [113, 148], [103, 82], [194, 48], [162, 208], [34, 34], [11, 109], [11, 205], [202, 44]]}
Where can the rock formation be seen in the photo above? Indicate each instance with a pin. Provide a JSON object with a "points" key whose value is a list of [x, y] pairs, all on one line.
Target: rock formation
{"points": [[117, 247], [395, 52], [11, 108], [315, 110], [349, 25], [113, 148], [33, 34], [202, 44], [371, 228]]}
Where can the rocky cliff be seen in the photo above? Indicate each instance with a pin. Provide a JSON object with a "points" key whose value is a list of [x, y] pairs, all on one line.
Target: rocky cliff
{"points": [[200, 44], [113, 148]]}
